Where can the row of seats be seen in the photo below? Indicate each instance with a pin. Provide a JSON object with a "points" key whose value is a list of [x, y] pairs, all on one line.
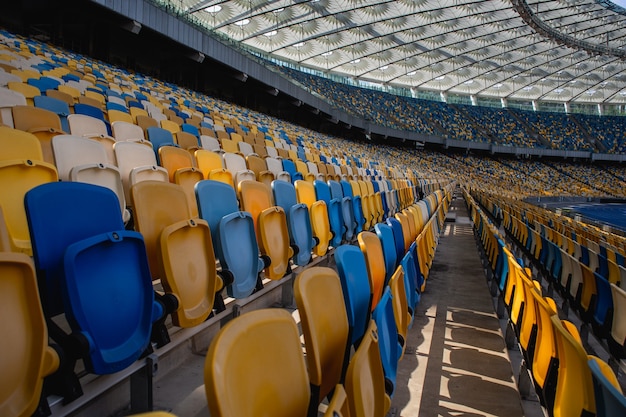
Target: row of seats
{"points": [[168, 231], [591, 281], [81, 232], [365, 307], [567, 380]]}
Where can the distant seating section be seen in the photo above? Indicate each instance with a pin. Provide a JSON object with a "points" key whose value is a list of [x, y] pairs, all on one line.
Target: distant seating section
{"points": [[578, 280]]}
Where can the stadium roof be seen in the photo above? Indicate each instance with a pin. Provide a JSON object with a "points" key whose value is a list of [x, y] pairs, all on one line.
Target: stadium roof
{"points": [[545, 50]]}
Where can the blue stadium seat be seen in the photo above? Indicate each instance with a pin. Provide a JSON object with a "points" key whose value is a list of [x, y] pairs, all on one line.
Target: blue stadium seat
{"points": [[388, 342], [81, 252], [385, 234], [298, 221], [356, 206], [159, 137], [410, 283], [233, 235], [56, 106], [610, 401], [398, 236], [347, 212], [290, 168], [335, 216], [352, 271]]}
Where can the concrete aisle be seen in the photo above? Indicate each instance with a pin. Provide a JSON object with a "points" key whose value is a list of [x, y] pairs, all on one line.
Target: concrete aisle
{"points": [[456, 362]]}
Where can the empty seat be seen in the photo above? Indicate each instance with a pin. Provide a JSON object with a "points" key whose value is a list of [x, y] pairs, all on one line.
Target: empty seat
{"points": [[233, 235], [42, 123], [298, 221], [85, 160], [17, 176], [159, 137], [347, 212], [352, 272], [26, 356], [82, 251], [180, 249], [335, 215], [385, 235], [318, 213], [574, 387], [365, 382], [271, 227], [56, 106], [372, 250], [610, 400], [322, 310], [276, 386], [388, 341]]}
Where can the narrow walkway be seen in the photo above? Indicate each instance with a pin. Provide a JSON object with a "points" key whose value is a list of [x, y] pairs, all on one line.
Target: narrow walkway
{"points": [[456, 362]]}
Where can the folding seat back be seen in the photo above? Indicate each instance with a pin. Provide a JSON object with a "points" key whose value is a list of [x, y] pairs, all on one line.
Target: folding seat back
{"points": [[319, 299], [209, 143], [290, 167], [17, 176], [352, 271], [71, 151], [271, 227], [388, 341], [617, 337], [42, 123], [318, 213], [602, 305], [177, 243], [56, 106], [187, 141], [298, 221], [372, 250], [401, 312], [123, 131], [17, 144], [588, 292], [26, 357], [388, 245], [347, 212], [236, 164], [159, 137], [411, 281], [9, 99], [85, 160], [283, 373], [356, 205], [276, 166], [610, 401], [88, 126], [27, 90], [545, 357], [365, 380], [81, 252], [233, 235], [146, 122], [574, 387], [208, 161], [137, 160], [398, 236], [406, 230], [174, 159], [335, 216]]}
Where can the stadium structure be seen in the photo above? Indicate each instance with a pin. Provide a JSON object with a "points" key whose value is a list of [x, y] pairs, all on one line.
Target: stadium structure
{"points": [[320, 208]]}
